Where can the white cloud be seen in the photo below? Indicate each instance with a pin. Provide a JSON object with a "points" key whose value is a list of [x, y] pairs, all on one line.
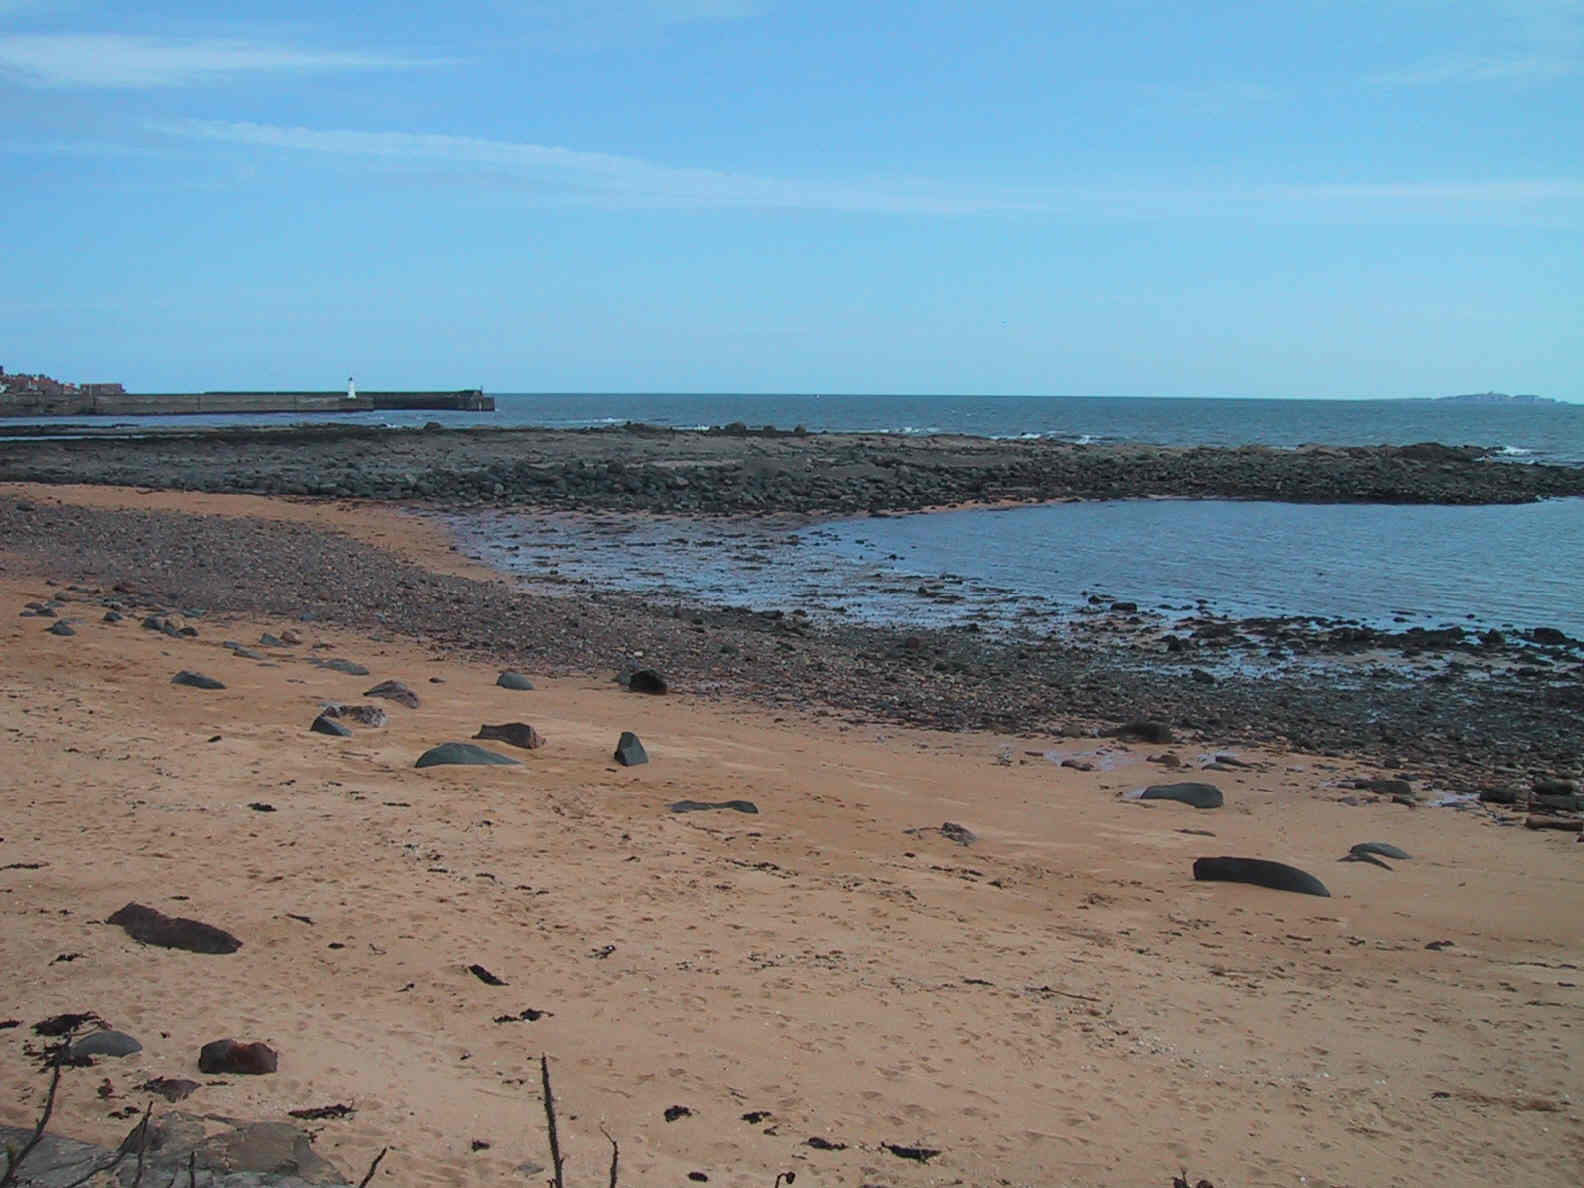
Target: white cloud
{"points": [[1517, 41], [601, 178], [113, 60]]}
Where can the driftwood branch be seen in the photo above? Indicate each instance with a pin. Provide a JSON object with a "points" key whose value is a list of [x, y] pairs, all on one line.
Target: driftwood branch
{"points": [[615, 1155], [556, 1160], [142, 1133], [373, 1167], [15, 1162]]}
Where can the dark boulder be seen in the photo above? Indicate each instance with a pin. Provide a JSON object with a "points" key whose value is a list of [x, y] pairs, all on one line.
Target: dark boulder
{"points": [[960, 834], [153, 927], [629, 751], [462, 753], [1142, 730], [196, 680], [1549, 635], [1203, 796], [646, 680], [517, 734], [229, 1056], [1498, 796], [60, 627], [514, 680], [394, 691]]}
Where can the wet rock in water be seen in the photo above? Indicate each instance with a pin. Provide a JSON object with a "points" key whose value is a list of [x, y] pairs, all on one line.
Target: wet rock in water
{"points": [[629, 751], [646, 680], [1261, 872], [514, 680], [518, 734], [105, 1043], [462, 753], [325, 724], [153, 927], [960, 834], [351, 668], [394, 691], [1548, 635], [363, 715], [60, 627], [170, 1088], [196, 680], [229, 1056], [1201, 796], [1142, 730], [701, 806]]}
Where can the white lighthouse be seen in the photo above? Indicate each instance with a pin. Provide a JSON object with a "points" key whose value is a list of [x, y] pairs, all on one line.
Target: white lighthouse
{"points": [[351, 388]]}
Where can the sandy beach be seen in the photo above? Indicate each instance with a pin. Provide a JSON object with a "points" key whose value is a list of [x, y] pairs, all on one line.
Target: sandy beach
{"points": [[1058, 1002]]}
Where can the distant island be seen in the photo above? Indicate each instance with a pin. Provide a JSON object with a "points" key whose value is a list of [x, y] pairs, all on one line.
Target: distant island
{"points": [[1496, 398]]}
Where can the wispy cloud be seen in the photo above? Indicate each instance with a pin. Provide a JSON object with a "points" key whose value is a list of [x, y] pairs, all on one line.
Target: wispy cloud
{"points": [[1518, 41], [1469, 68], [575, 177], [110, 60], [602, 178]]}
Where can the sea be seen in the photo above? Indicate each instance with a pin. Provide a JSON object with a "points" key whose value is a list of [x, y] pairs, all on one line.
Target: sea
{"points": [[1029, 569]]}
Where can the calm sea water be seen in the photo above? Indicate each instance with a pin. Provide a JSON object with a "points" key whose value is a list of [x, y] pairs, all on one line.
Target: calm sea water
{"points": [[1518, 565], [1548, 432]]}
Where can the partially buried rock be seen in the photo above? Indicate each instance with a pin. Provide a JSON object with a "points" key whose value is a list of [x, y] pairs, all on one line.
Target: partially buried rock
{"points": [[153, 927], [646, 680], [105, 1043], [518, 734], [462, 753], [700, 806], [363, 715], [325, 724], [394, 691], [514, 680], [271, 641], [1203, 796], [170, 1088], [629, 751], [196, 680], [112, 616], [229, 1056], [61, 627], [960, 834], [1260, 872], [351, 668]]}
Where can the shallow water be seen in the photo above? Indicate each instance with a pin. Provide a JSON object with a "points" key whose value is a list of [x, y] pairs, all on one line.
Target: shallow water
{"points": [[1387, 566]]}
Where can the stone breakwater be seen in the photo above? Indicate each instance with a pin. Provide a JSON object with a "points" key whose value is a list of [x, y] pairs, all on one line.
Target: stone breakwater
{"points": [[735, 471]]}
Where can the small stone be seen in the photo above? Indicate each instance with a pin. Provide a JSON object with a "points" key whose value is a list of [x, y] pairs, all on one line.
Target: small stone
{"points": [[271, 641], [113, 616], [291, 636], [346, 666], [394, 691], [106, 1043], [518, 734], [229, 1056], [324, 724], [629, 751], [196, 680], [462, 753], [170, 1088], [514, 680], [960, 834], [702, 806], [1201, 796], [62, 627]]}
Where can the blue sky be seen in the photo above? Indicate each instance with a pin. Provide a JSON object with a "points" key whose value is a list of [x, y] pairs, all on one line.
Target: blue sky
{"points": [[1311, 198]]}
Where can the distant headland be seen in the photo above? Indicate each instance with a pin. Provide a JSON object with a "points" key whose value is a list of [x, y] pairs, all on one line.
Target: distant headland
{"points": [[1496, 398]]}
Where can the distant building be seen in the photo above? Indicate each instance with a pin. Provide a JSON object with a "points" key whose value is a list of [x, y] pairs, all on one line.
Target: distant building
{"points": [[102, 390]]}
